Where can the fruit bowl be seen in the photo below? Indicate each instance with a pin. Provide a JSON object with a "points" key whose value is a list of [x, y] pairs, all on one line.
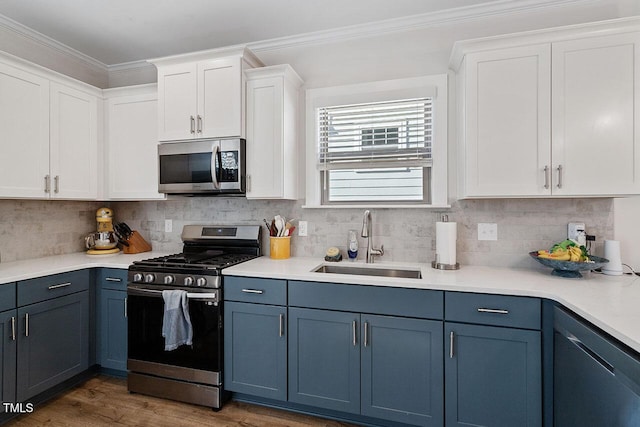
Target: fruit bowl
{"points": [[569, 268]]}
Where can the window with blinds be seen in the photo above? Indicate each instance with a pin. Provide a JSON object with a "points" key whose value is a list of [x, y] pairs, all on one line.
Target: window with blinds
{"points": [[376, 152]]}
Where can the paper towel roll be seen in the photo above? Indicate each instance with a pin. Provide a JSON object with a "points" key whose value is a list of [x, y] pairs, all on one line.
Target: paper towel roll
{"points": [[612, 253], [446, 239]]}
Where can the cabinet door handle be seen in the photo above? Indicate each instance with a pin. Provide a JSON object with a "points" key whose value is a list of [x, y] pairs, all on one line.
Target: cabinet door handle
{"points": [[125, 307], [451, 345], [354, 326], [47, 184], [546, 177], [253, 291], [493, 310], [366, 334], [13, 328], [60, 285], [281, 331], [112, 279], [199, 123], [56, 184], [559, 168], [192, 125], [26, 324]]}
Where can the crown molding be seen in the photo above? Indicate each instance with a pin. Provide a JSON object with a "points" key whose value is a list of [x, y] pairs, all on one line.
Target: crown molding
{"points": [[397, 25], [47, 42], [411, 23]]}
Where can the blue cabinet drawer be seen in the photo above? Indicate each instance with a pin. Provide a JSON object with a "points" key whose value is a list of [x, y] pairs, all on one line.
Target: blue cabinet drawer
{"points": [[496, 310], [367, 299], [112, 278], [261, 291], [7, 296], [44, 288]]}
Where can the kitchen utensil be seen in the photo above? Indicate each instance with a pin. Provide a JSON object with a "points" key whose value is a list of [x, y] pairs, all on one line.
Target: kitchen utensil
{"points": [[569, 269], [279, 221]]}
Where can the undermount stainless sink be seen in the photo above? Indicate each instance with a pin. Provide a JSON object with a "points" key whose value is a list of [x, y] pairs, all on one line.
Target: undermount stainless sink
{"points": [[370, 271]]}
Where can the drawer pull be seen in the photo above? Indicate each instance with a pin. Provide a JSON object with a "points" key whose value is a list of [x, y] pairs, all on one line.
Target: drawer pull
{"points": [[253, 291], [493, 311], [112, 279], [61, 285]]}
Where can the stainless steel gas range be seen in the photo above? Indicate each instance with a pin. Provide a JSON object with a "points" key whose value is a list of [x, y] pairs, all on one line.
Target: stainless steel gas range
{"points": [[189, 373]]}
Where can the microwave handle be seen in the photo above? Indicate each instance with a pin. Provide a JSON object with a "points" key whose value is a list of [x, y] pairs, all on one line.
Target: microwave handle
{"points": [[216, 155]]}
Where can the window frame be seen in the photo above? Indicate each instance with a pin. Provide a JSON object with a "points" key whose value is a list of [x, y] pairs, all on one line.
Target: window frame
{"points": [[428, 86]]}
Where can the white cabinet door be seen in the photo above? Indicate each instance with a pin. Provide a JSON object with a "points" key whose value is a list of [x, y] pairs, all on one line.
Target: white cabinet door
{"points": [[132, 147], [177, 102], [73, 143], [596, 110], [272, 99], [219, 98], [507, 122], [24, 133]]}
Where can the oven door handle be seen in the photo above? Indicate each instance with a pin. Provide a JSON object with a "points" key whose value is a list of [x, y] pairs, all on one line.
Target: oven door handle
{"points": [[157, 293]]}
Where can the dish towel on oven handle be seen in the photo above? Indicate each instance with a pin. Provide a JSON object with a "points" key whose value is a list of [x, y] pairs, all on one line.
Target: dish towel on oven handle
{"points": [[176, 323]]}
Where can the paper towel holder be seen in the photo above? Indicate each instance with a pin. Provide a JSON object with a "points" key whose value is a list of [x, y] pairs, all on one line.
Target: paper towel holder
{"points": [[438, 265]]}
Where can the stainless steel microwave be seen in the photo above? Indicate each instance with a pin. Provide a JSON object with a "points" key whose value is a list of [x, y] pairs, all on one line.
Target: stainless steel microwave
{"points": [[211, 166]]}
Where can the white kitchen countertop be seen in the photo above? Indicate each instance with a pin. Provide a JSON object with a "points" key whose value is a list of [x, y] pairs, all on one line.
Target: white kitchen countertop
{"points": [[37, 267], [610, 302]]}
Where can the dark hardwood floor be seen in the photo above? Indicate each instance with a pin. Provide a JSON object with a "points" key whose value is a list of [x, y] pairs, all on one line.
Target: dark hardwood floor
{"points": [[104, 401]]}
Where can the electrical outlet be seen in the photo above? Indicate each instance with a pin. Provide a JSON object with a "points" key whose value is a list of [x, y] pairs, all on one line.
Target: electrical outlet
{"points": [[487, 231], [168, 226], [302, 228], [577, 231]]}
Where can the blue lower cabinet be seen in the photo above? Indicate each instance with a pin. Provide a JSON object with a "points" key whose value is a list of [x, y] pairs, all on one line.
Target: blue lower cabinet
{"points": [[112, 329], [111, 303], [8, 337], [383, 367], [402, 370], [493, 376], [53, 343], [255, 349], [324, 359]]}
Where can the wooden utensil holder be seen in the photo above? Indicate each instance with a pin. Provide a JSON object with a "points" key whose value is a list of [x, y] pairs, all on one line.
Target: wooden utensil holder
{"points": [[137, 244]]}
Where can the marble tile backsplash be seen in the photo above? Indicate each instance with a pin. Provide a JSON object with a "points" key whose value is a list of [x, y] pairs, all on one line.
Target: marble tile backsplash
{"points": [[407, 234], [31, 229]]}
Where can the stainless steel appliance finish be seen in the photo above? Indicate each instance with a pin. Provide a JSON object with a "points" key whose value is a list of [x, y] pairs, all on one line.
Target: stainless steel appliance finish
{"points": [[189, 373], [211, 166]]}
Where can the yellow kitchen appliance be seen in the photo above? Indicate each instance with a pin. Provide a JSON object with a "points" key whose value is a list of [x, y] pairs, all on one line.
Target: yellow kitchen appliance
{"points": [[103, 241]]}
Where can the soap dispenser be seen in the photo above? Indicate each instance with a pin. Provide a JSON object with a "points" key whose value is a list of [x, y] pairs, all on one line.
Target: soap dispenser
{"points": [[352, 245]]}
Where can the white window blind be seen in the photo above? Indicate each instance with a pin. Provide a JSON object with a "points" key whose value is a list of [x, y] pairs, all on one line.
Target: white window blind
{"points": [[378, 151], [367, 135]]}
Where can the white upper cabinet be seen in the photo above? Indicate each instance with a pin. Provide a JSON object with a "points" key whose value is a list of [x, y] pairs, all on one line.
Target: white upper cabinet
{"points": [[131, 143], [48, 135], [507, 121], [596, 111], [553, 118], [272, 137], [202, 95], [24, 133], [73, 143]]}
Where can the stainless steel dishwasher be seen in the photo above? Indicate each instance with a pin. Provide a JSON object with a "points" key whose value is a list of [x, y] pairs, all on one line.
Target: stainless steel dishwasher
{"points": [[596, 380]]}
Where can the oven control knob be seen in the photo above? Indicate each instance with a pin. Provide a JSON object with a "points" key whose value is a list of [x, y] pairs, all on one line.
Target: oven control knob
{"points": [[149, 278], [201, 281], [188, 281], [137, 277], [168, 280]]}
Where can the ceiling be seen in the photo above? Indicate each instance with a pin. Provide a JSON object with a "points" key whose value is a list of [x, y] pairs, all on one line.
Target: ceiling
{"points": [[122, 31]]}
